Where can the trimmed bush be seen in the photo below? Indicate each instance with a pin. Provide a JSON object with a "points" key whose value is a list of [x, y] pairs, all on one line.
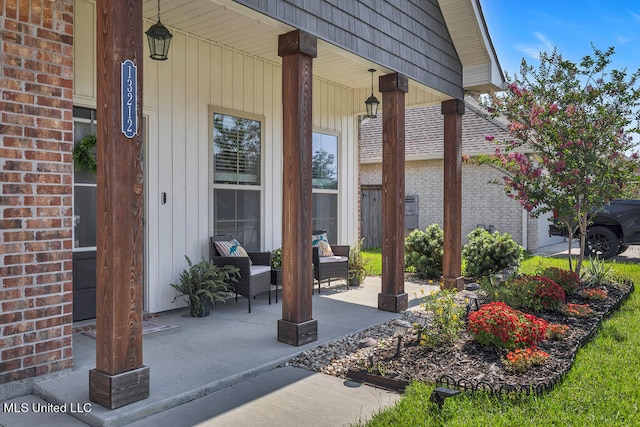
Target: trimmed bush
{"points": [[488, 253], [424, 252]]}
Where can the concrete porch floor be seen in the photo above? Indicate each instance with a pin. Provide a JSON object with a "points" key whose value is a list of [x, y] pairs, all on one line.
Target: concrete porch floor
{"points": [[223, 369]]}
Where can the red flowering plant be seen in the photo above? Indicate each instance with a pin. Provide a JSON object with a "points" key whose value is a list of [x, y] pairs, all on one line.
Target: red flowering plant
{"points": [[568, 280], [496, 324], [577, 310], [557, 332], [521, 360], [594, 294]]}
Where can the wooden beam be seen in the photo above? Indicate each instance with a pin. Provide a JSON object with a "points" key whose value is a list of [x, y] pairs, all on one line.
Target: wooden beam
{"points": [[297, 50], [393, 87], [452, 268], [120, 377]]}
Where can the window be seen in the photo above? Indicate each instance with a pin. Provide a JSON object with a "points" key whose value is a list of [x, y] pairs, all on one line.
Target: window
{"points": [[237, 148], [325, 184], [84, 186]]}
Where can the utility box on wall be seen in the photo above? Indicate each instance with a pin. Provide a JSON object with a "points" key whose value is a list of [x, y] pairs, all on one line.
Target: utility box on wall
{"points": [[411, 212]]}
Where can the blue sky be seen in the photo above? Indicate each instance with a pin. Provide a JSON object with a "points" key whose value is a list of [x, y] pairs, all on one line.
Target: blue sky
{"points": [[522, 29]]}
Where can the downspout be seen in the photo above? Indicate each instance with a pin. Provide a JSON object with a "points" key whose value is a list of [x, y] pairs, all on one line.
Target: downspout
{"points": [[525, 229]]}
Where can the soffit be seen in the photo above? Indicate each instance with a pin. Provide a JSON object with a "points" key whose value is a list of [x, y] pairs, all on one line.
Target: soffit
{"points": [[230, 24]]}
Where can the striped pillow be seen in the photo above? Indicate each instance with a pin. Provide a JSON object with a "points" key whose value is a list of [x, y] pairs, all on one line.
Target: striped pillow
{"points": [[232, 248]]}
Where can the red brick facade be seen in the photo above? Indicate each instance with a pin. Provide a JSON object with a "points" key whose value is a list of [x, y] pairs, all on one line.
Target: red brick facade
{"points": [[36, 140]]}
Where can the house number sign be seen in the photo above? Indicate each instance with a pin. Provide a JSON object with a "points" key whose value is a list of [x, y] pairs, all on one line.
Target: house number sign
{"points": [[129, 89]]}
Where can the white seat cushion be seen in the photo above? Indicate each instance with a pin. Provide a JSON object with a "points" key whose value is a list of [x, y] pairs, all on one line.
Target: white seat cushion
{"points": [[334, 258], [258, 269]]}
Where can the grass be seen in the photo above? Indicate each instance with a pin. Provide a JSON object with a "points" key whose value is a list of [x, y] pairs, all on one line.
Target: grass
{"points": [[600, 390], [373, 258]]}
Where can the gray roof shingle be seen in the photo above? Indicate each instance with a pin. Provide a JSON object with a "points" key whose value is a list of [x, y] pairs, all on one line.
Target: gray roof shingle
{"points": [[424, 135]]}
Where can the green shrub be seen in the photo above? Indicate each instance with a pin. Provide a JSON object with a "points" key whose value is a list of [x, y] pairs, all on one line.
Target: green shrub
{"points": [[447, 321], [533, 293], [568, 280], [424, 251], [487, 253], [598, 272]]}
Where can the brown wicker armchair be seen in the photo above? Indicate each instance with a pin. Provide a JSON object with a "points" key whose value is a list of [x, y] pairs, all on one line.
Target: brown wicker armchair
{"points": [[254, 279], [327, 268]]}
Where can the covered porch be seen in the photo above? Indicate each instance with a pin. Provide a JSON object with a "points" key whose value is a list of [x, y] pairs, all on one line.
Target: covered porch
{"points": [[228, 348], [260, 64]]}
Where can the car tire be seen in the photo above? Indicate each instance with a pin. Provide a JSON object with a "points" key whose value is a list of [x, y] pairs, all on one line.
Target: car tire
{"points": [[602, 242]]}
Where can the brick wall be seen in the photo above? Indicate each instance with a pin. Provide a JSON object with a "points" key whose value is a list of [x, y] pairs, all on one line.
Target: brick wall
{"points": [[36, 139], [482, 203]]}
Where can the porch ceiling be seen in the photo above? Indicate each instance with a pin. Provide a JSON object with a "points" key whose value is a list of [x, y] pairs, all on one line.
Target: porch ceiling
{"points": [[230, 24]]}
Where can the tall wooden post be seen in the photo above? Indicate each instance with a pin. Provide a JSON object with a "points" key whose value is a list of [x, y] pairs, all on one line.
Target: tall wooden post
{"points": [[393, 298], [453, 110], [297, 50], [120, 377]]}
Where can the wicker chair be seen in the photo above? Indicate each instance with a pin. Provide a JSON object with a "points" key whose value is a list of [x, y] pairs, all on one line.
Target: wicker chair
{"points": [[254, 279], [327, 268]]}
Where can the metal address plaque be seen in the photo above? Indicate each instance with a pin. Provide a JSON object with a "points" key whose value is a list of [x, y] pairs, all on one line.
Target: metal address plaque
{"points": [[129, 89]]}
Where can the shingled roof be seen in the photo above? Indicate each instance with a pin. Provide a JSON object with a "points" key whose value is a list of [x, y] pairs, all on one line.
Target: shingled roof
{"points": [[424, 135]]}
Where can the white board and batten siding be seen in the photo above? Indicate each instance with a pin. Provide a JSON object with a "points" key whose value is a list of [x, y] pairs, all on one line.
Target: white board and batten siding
{"points": [[177, 95]]}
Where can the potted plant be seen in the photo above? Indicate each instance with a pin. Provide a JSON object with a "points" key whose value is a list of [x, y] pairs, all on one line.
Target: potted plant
{"points": [[203, 284], [357, 264], [276, 268]]}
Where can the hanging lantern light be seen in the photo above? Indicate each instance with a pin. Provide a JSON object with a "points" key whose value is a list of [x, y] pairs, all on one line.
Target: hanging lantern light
{"points": [[372, 102], [159, 39]]}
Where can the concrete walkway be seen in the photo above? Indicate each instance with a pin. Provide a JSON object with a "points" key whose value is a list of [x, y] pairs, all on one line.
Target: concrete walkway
{"points": [[224, 370]]}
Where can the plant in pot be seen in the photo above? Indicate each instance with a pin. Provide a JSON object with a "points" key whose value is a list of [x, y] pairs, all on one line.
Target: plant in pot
{"points": [[276, 269], [203, 284], [357, 264]]}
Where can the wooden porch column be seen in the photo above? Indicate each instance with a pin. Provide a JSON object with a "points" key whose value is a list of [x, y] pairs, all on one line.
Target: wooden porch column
{"points": [[393, 297], [452, 268], [120, 377], [297, 50]]}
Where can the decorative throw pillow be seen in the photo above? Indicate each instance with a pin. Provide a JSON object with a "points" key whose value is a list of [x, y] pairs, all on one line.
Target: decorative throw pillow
{"points": [[324, 248], [232, 248], [316, 238]]}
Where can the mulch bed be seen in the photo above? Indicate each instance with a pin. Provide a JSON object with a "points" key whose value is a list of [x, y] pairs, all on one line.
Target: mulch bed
{"points": [[469, 366]]}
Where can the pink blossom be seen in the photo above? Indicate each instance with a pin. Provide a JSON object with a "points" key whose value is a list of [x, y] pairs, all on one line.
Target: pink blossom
{"points": [[587, 181], [515, 126], [553, 108], [635, 156], [571, 109], [489, 137]]}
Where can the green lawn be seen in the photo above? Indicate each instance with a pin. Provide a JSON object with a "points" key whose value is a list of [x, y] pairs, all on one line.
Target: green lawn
{"points": [[602, 388]]}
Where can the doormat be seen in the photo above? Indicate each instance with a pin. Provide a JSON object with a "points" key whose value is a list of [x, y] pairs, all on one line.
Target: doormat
{"points": [[148, 327]]}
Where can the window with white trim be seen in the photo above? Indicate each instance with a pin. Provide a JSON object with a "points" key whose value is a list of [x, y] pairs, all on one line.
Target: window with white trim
{"points": [[325, 184], [84, 185], [237, 156]]}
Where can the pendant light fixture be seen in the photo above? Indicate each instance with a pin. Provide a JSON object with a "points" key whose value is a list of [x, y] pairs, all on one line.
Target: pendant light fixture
{"points": [[159, 39], [372, 102]]}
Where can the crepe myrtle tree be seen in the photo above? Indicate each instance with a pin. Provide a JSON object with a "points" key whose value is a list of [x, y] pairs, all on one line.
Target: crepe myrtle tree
{"points": [[574, 122]]}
